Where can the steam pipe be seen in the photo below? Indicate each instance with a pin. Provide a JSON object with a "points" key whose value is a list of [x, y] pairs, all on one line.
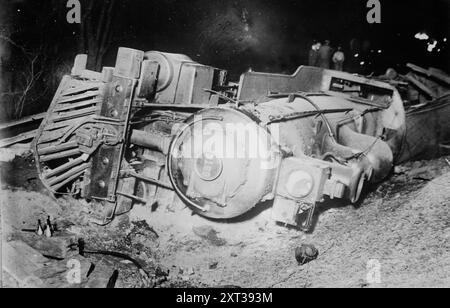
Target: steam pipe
{"points": [[151, 140]]}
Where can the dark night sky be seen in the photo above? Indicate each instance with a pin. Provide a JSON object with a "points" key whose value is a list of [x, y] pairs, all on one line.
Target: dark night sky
{"points": [[281, 31], [268, 35]]}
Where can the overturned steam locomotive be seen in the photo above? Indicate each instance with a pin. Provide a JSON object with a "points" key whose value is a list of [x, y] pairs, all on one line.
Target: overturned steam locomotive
{"points": [[161, 128]]}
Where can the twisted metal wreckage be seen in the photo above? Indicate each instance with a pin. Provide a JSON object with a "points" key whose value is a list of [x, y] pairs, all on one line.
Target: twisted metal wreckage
{"points": [[162, 128]]}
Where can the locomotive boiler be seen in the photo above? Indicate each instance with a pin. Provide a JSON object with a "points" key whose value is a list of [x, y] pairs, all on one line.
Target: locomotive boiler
{"points": [[159, 128]]}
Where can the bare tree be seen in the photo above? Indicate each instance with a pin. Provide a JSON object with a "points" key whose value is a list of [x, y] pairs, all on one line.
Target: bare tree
{"points": [[25, 81], [30, 67], [96, 30]]}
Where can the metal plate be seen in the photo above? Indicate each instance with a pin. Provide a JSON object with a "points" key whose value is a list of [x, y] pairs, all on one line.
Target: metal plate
{"points": [[106, 161]]}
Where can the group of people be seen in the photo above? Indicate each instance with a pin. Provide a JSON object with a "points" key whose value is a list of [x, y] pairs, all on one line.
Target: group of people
{"points": [[324, 56]]}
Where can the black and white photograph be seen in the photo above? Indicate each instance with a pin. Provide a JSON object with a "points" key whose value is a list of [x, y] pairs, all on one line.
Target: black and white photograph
{"points": [[224, 149]]}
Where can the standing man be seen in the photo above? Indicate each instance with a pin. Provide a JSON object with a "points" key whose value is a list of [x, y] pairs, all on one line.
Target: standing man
{"points": [[338, 59], [314, 54], [325, 53]]}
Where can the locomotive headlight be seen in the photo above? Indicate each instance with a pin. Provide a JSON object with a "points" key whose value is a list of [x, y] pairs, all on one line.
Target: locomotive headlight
{"points": [[299, 184]]}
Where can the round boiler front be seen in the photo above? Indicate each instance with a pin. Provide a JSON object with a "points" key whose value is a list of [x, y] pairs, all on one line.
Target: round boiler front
{"points": [[223, 163]]}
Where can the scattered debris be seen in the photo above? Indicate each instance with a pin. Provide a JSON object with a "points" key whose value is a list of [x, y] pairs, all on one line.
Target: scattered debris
{"points": [[52, 247], [20, 172], [213, 265], [419, 171], [209, 234], [112, 281], [149, 282], [39, 230], [20, 263], [19, 131], [10, 153], [400, 169], [413, 228], [18, 139], [141, 227], [306, 253], [48, 232], [191, 271]]}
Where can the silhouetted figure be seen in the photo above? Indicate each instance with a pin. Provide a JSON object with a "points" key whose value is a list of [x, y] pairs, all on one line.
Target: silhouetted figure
{"points": [[325, 53], [314, 54], [339, 59]]}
